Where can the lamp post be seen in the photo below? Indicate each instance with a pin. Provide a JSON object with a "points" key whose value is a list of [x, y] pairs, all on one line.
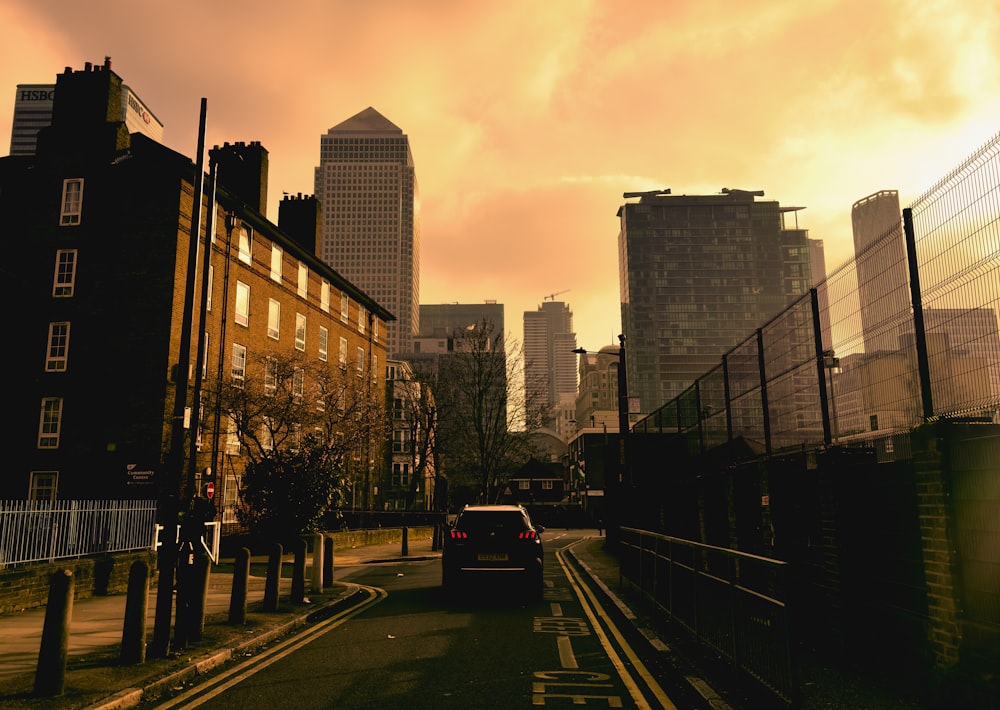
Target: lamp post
{"points": [[830, 363], [623, 474]]}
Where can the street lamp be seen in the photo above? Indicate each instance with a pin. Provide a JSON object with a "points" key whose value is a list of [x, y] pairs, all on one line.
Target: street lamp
{"points": [[623, 434], [830, 363]]}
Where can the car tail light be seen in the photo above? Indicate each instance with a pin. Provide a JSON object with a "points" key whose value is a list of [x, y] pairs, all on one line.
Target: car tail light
{"points": [[527, 535], [459, 535]]}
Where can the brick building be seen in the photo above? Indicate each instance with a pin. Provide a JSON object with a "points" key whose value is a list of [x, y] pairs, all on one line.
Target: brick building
{"points": [[97, 225]]}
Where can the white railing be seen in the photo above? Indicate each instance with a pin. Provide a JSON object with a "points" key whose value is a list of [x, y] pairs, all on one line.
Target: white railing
{"points": [[44, 531]]}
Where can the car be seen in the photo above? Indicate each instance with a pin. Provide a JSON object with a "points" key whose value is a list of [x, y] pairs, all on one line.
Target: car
{"points": [[496, 545]]}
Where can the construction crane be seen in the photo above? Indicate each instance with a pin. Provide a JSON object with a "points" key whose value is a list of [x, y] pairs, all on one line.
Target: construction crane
{"points": [[552, 296]]}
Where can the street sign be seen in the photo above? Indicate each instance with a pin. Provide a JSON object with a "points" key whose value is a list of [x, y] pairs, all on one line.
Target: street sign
{"points": [[209, 490]]}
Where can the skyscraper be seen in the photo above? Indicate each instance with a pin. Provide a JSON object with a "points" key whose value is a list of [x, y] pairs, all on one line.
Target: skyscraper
{"points": [[367, 186], [549, 360], [883, 276], [698, 274]]}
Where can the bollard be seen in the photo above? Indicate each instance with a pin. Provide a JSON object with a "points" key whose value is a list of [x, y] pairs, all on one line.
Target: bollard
{"points": [[241, 581], [406, 541], [328, 562], [50, 675], [299, 572], [273, 578], [199, 599], [316, 577], [133, 649]]}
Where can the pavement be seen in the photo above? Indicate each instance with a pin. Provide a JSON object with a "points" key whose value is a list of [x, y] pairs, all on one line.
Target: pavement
{"points": [[96, 679]]}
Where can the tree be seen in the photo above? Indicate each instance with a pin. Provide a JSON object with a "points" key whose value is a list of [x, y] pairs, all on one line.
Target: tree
{"points": [[476, 406], [303, 427]]}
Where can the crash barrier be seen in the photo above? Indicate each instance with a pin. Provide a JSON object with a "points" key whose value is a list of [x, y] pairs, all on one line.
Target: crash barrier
{"points": [[733, 603]]}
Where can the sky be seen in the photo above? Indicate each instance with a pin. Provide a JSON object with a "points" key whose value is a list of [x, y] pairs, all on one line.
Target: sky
{"points": [[528, 120]]}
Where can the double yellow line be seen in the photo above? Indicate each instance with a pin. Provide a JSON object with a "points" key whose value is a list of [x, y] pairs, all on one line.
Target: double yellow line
{"points": [[600, 620]]}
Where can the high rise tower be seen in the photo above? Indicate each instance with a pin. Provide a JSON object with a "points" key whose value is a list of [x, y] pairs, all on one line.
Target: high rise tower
{"points": [[699, 274], [549, 361], [367, 188]]}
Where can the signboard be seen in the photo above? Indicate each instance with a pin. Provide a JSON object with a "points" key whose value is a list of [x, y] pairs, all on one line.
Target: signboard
{"points": [[209, 490], [137, 475]]}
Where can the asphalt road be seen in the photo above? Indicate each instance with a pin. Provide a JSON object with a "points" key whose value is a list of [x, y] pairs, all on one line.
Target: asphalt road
{"points": [[406, 645]]}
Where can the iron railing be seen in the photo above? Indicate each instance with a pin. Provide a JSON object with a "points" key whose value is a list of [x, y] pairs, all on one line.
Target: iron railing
{"points": [[44, 531], [731, 602]]}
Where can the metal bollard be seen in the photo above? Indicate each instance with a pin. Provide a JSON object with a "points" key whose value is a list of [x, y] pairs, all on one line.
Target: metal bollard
{"points": [[299, 572], [406, 541], [241, 581], [273, 578], [133, 649], [199, 598], [328, 563], [316, 577], [50, 675]]}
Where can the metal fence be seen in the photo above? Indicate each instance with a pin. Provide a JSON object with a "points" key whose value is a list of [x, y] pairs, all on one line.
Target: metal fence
{"points": [[732, 602], [903, 333], [43, 531]]}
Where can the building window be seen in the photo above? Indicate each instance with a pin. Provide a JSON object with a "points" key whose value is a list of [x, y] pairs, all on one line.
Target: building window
{"points": [[239, 369], [303, 281], [546, 485], [65, 275], [232, 437], [49, 423], [298, 383], [276, 254], [43, 485], [58, 348], [242, 304], [211, 283], [524, 485], [324, 296], [361, 362], [270, 376], [273, 319], [375, 329], [374, 369], [344, 304], [72, 202], [300, 332], [204, 355], [343, 353], [361, 318], [324, 343], [246, 246]]}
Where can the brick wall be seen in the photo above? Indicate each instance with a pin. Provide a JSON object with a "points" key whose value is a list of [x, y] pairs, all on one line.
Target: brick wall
{"points": [[27, 586]]}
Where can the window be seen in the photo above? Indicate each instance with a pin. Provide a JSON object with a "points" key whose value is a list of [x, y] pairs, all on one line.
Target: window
{"points": [[242, 304], [204, 355], [303, 286], [523, 485], [273, 319], [344, 304], [361, 362], [361, 318], [43, 485], [300, 332], [298, 383], [239, 369], [72, 202], [267, 434], [546, 485], [276, 254], [232, 437], [211, 282], [324, 296], [58, 348], [374, 369], [246, 244], [343, 353], [375, 329], [65, 275], [270, 376], [324, 343], [49, 423]]}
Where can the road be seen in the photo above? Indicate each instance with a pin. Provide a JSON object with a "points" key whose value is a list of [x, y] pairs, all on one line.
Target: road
{"points": [[405, 645]]}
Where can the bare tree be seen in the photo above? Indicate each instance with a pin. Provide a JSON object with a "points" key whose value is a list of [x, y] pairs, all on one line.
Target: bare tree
{"points": [[303, 427], [478, 409]]}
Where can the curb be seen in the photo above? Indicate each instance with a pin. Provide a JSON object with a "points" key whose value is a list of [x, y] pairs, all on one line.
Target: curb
{"points": [[132, 697]]}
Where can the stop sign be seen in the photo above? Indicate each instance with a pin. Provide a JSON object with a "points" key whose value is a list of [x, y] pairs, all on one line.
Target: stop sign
{"points": [[209, 490]]}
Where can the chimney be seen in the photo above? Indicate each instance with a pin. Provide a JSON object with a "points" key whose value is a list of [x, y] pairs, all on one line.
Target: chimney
{"points": [[243, 171], [299, 218]]}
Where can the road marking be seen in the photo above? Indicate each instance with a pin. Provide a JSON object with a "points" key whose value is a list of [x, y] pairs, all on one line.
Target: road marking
{"points": [[244, 670], [567, 659], [556, 609], [593, 609]]}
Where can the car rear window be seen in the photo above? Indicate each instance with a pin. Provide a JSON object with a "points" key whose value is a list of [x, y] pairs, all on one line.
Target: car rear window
{"points": [[499, 521]]}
